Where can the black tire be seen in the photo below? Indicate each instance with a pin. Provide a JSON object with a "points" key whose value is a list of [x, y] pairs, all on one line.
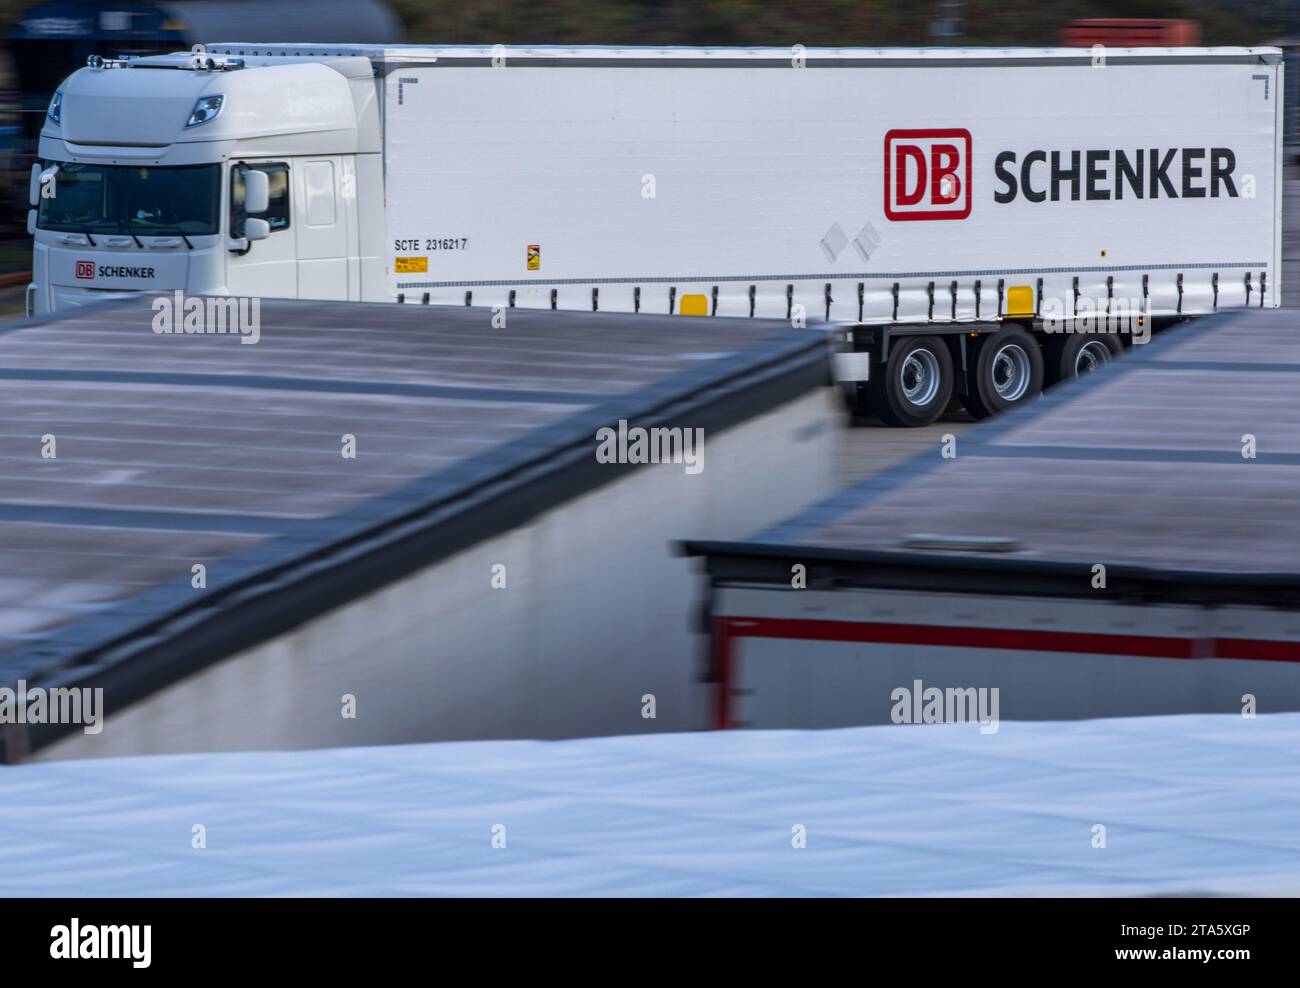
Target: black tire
{"points": [[914, 387], [1003, 369], [1067, 355]]}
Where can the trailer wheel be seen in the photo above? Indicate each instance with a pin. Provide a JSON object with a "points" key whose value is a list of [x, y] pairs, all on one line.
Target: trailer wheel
{"points": [[1005, 369], [916, 384], [1068, 355]]}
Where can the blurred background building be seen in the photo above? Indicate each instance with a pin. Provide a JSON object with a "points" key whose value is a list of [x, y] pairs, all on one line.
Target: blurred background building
{"points": [[822, 22]]}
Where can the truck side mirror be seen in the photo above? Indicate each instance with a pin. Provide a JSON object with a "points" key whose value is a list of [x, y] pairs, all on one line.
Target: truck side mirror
{"points": [[257, 192], [31, 222], [255, 229]]}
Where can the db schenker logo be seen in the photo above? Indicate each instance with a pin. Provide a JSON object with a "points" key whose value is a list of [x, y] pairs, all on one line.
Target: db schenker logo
{"points": [[86, 270], [927, 174]]}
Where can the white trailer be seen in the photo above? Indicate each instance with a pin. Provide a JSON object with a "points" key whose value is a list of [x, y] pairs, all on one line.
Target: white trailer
{"points": [[987, 221]]}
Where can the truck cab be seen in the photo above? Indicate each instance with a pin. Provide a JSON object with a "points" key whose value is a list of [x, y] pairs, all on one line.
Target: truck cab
{"points": [[211, 174]]}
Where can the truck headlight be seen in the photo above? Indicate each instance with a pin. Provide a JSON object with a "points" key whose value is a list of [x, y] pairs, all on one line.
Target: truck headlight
{"points": [[55, 112], [207, 108]]}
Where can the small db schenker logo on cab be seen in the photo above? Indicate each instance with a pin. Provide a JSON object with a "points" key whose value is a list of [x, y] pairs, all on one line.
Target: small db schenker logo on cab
{"points": [[86, 270], [927, 174]]}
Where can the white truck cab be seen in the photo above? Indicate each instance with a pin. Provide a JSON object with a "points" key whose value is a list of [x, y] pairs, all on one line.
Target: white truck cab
{"points": [[191, 171]]}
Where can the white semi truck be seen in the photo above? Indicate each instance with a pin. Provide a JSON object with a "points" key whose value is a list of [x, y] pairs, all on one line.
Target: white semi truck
{"points": [[982, 221]]}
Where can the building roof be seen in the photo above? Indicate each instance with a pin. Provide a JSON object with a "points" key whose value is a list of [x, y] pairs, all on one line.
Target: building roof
{"points": [[1139, 467], [1191, 805], [176, 450]]}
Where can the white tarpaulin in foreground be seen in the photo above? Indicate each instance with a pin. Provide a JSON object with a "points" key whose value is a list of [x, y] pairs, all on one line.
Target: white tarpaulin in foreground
{"points": [[1195, 804]]}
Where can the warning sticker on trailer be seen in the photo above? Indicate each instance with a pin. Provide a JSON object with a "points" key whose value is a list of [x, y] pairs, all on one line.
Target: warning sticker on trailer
{"points": [[410, 265], [534, 257]]}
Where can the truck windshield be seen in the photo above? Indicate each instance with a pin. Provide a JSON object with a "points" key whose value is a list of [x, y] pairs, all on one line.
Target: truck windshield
{"points": [[119, 198]]}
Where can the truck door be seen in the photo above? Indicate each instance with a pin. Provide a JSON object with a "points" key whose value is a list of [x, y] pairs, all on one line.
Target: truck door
{"points": [[265, 268], [322, 231]]}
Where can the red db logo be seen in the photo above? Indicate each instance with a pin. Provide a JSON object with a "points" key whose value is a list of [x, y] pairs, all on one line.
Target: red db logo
{"points": [[927, 174], [85, 270]]}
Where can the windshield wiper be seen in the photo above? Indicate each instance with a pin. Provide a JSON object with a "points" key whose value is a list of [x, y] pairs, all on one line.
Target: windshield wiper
{"points": [[181, 233], [126, 222], [85, 230]]}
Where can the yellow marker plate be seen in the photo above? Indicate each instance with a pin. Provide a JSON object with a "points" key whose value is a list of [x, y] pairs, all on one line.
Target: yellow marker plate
{"points": [[1020, 300], [694, 305]]}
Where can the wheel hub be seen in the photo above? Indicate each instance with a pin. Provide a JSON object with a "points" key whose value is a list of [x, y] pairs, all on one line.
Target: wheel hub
{"points": [[1011, 372], [1092, 355], [919, 376]]}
